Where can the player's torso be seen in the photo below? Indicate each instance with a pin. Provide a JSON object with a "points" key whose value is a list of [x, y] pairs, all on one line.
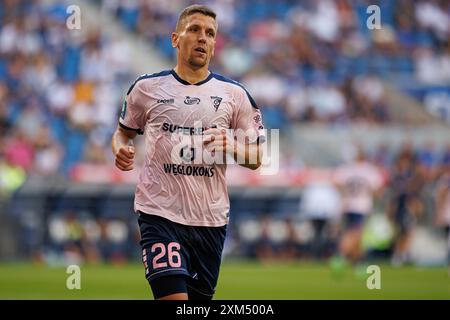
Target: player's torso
{"points": [[358, 188], [357, 181], [177, 182], [177, 116]]}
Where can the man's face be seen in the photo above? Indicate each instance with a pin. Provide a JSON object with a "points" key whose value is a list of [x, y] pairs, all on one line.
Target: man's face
{"points": [[195, 40]]}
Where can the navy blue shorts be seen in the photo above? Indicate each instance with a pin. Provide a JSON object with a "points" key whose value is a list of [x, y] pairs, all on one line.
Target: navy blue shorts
{"points": [[354, 220], [170, 248]]}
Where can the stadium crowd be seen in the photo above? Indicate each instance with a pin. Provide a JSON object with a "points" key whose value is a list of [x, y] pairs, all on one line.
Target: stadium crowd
{"points": [[315, 55], [60, 94]]}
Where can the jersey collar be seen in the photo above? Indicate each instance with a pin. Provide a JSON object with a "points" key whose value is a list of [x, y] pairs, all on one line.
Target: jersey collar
{"points": [[176, 76]]}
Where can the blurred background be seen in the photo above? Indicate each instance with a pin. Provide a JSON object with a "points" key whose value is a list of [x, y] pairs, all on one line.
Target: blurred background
{"points": [[341, 94]]}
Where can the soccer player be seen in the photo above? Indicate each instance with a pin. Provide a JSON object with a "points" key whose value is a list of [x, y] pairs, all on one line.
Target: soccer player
{"points": [[321, 205], [442, 202], [182, 202], [406, 205], [359, 182]]}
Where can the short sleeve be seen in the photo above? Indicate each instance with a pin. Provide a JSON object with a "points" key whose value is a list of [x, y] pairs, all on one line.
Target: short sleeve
{"points": [[248, 118], [133, 115]]}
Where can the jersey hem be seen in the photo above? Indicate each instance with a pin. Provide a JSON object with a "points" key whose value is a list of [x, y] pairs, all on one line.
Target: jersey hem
{"points": [[193, 223]]}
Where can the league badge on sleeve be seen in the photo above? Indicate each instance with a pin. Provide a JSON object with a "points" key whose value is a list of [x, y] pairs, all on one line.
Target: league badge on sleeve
{"points": [[124, 109]]}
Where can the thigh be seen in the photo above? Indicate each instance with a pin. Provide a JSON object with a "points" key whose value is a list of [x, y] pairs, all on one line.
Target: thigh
{"points": [[166, 287], [405, 222], [205, 259]]}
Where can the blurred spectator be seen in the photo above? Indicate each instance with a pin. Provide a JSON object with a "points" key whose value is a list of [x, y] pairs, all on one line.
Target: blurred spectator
{"points": [[359, 182], [48, 155], [289, 247], [321, 204], [433, 15], [382, 157], [94, 153], [446, 155], [265, 248], [427, 157], [19, 151], [406, 203], [442, 203], [11, 177]]}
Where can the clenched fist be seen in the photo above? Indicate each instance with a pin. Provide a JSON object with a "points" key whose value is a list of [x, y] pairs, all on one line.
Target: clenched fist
{"points": [[218, 140], [125, 158]]}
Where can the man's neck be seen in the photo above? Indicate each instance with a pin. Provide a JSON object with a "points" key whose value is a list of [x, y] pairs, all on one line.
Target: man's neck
{"points": [[190, 75]]}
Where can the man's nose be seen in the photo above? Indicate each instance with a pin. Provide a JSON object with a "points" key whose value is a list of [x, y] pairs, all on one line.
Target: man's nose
{"points": [[202, 37]]}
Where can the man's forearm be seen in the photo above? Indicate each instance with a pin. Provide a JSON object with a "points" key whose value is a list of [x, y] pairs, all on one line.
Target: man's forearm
{"points": [[119, 139], [248, 155]]}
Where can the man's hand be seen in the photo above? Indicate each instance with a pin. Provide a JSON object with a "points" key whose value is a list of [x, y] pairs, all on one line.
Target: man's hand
{"points": [[125, 158], [217, 140], [122, 149], [222, 141]]}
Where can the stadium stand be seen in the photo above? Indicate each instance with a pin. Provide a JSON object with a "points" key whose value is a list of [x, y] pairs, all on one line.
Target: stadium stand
{"points": [[333, 83]]}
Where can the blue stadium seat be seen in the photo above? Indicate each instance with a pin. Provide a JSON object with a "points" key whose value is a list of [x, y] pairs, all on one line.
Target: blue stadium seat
{"points": [[423, 38], [274, 117], [69, 65], [75, 146], [3, 69], [58, 127], [129, 17]]}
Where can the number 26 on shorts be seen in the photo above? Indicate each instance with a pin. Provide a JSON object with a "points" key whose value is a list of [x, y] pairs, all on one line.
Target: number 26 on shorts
{"points": [[173, 256]]}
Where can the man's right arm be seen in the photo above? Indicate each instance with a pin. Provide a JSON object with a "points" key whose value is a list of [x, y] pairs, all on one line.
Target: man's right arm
{"points": [[123, 149]]}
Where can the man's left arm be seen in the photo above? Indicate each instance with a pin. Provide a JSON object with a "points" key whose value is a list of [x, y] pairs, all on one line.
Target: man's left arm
{"points": [[224, 141], [245, 138]]}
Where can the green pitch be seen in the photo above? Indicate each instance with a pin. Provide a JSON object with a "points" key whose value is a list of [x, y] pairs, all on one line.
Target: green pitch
{"points": [[238, 280]]}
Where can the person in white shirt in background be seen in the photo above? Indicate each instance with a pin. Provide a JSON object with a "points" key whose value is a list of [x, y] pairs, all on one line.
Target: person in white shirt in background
{"points": [[359, 182], [321, 205]]}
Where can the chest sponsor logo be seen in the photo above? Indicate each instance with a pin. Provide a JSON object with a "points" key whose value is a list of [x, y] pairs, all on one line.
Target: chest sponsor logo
{"points": [[191, 100], [166, 101], [186, 170], [173, 128], [216, 102]]}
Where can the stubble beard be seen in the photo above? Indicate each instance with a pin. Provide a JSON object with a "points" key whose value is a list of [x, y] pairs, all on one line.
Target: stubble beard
{"points": [[197, 63]]}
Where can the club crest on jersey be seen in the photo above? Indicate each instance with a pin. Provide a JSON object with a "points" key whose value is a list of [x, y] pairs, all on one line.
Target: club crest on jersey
{"points": [[216, 102], [191, 100]]}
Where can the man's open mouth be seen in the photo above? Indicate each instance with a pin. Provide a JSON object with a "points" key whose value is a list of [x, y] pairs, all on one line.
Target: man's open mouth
{"points": [[199, 49]]}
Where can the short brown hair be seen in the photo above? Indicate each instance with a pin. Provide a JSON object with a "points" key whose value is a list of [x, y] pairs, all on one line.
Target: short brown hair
{"points": [[195, 8]]}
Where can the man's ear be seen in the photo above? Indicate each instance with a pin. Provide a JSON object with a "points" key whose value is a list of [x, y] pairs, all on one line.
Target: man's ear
{"points": [[175, 40]]}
